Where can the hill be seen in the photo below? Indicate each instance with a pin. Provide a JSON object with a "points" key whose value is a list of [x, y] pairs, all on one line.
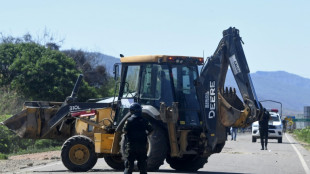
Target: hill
{"points": [[291, 90], [102, 59]]}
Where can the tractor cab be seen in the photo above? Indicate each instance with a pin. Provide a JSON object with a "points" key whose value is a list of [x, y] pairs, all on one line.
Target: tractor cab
{"points": [[151, 80]]}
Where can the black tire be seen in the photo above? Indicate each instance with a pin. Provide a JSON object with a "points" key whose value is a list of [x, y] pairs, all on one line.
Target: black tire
{"points": [[280, 140], [253, 139], [157, 148], [188, 163], [218, 148], [116, 162], [78, 154]]}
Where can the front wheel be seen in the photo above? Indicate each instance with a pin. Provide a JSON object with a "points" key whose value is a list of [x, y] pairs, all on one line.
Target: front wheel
{"points": [[78, 154], [253, 139], [280, 140]]}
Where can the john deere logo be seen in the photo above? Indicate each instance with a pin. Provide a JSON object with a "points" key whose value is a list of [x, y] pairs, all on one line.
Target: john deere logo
{"points": [[210, 100]]}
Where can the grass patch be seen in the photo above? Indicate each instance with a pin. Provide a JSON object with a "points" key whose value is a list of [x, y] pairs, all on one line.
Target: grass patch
{"points": [[4, 117], [35, 150], [303, 135], [3, 156]]}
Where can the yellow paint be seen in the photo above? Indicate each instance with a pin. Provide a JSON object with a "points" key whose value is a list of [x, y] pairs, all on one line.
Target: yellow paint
{"points": [[152, 58], [101, 114], [103, 142]]}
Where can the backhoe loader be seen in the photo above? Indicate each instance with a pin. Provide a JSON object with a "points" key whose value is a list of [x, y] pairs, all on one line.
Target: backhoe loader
{"points": [[189, 110]]}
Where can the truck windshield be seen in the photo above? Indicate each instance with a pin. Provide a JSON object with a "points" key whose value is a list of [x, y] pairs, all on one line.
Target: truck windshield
{"points": [[275, 117]]}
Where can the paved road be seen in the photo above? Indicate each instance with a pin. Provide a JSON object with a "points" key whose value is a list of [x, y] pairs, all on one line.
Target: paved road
{"points": [[241, 156]]}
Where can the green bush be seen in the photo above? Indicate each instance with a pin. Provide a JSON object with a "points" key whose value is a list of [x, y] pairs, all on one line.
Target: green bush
{"points": [[303, 134], [43, 143], [10, 101], [10, 143], [3, 156]]}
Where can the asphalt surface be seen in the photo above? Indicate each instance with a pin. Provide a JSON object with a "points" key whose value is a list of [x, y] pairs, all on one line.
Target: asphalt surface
{"points": [[241, 156]]}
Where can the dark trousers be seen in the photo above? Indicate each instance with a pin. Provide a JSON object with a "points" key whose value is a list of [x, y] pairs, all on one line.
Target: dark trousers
{"points": [[139, 154], [263, 136]]}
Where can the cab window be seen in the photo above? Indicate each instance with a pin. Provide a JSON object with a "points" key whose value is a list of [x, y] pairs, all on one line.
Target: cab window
{"points": [[131, 82]]}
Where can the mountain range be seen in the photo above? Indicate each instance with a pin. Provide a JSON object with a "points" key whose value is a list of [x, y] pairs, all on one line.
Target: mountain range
{"points": [[291, 90]]}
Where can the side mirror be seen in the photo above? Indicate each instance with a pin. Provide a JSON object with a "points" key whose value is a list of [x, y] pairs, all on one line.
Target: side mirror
{"points": [[116, 71]]}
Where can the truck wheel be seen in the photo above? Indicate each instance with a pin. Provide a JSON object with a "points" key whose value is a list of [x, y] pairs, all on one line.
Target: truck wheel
{"points": [[280, 140], [157, 148], [189, 163], [253, 139], [78, 154], [116, 162]]}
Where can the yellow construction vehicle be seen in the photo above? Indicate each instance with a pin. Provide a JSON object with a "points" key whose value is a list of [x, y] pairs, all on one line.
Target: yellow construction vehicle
{"points": [[188, 109]]}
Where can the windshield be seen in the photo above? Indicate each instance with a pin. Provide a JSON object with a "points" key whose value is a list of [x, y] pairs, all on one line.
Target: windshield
{"points": [[155, 85], [275, 118], [151, 84]]}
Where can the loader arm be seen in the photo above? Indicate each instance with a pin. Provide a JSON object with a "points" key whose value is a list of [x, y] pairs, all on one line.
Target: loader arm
{"points": [[221, 107]]}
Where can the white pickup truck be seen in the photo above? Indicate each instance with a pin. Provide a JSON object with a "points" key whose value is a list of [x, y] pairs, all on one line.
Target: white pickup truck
{"points": [[275, 127]]}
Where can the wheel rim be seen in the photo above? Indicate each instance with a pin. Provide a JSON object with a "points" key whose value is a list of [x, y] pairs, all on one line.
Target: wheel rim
{"points": [[79, 154]]}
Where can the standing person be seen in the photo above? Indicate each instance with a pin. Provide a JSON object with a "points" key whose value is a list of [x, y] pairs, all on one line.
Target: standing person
{"points": [[263, 129], [227, 132], [233, 131], [136, 130]]}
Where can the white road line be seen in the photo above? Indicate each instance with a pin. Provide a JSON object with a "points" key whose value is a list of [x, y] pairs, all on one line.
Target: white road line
{"points": [[303, 162]]}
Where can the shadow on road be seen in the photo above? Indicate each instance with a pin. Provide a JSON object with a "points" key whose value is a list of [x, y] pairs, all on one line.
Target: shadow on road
{"points": [[90, 171], [199, 172], [159, 171]]}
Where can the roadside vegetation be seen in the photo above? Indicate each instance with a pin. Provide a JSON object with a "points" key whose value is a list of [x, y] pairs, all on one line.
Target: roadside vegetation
{"points": [[303, 135], [37, 70]]}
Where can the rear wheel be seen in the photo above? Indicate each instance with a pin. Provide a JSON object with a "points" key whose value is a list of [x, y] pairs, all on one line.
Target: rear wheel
{"points": [[189, 163], [280, 140], [253, 139], [116, 162], [78, 154], [157, 148]]}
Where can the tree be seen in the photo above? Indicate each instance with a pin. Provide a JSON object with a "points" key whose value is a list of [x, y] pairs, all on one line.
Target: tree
{"points": [[95, 75], [39, 73]]}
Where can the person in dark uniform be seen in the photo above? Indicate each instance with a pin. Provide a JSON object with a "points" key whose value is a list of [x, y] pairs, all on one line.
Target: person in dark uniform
{"points": [[263, 129], [136, 130]]}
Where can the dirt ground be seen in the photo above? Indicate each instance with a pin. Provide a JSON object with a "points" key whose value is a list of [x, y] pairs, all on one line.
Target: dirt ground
{"points": [[15, 163]]}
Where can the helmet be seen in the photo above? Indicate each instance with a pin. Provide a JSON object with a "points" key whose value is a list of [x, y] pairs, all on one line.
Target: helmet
{"points": [[135, 108]]}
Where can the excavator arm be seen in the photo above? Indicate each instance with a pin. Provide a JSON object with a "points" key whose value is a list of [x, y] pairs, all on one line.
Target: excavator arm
{"points": [[221, 107]]}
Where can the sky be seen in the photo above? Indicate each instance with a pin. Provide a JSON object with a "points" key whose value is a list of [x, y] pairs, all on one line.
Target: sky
{"points": [[276, 33]]}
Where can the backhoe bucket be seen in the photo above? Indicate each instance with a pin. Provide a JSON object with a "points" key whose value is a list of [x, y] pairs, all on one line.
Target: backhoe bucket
{"points": [[32, 121]]}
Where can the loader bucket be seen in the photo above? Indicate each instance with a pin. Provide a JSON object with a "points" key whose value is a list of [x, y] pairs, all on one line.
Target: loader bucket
{"points": [[32, 121]]}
